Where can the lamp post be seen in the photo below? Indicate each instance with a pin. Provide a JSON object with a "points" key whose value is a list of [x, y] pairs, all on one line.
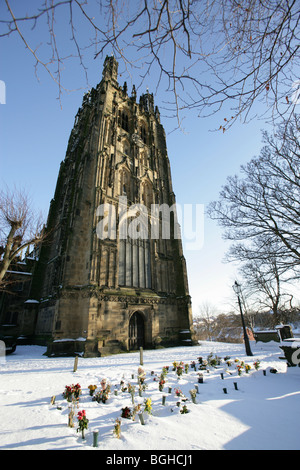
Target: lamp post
{"points": [[237, 289]]}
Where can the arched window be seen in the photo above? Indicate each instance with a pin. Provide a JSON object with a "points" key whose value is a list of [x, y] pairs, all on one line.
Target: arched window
{"points": [[143, 133], [147, 195], [123, 120], [134, 261]]}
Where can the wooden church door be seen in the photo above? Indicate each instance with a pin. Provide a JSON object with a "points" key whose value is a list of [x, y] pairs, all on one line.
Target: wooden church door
{"points": [[136, 331]]}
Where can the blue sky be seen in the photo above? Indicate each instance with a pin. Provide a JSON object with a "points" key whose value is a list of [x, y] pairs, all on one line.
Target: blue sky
{"points": [[34, 132]]}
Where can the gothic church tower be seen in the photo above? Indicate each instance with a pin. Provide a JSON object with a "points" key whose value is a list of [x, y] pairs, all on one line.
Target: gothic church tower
{"points": [[103, 294]]}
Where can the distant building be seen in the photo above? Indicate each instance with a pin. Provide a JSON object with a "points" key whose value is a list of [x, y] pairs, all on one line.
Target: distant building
{"points": [[18, 314]]}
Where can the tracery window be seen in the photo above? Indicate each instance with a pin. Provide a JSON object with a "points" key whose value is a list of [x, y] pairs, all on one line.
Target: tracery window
{"points": [[123, 120], [147, 194], [134, 262], [143, 133]]}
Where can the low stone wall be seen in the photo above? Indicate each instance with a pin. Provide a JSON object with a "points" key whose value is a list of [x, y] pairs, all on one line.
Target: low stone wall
{"points": [[266, 336], [68, 348]]}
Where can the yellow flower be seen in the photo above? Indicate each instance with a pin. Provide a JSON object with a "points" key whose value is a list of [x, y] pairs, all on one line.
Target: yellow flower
{"points": [[92, 389], [148, 405]]}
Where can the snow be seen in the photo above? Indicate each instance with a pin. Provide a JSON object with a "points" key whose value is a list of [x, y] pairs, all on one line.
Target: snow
{"points": [[292, 342], [262, 414], [80, 338]]}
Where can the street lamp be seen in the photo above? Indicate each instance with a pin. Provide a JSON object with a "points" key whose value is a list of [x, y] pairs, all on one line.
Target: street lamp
{"points": [[237, 289]]}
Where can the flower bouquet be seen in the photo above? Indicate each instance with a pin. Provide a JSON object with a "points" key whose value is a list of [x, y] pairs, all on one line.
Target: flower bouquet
{"points": [[184, 410], [126, 413], [76, 391], [68, 393], [179, 370], [203, 365], [92, 389], [105, 394], [141, 375], [178, 392], [82, 422], [102, 395], [148, 406], [72, 392], [213, 361], [161, 383]]}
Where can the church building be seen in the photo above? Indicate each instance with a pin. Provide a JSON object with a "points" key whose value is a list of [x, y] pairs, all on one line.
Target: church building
{"points": [[112, 276]]}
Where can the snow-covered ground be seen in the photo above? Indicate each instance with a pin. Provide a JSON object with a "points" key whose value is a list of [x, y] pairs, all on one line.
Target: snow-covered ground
{"points": [[263, 413]]}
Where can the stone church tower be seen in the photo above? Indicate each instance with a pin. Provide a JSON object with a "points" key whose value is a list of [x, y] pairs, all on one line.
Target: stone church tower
{"points": [[124, 287]]}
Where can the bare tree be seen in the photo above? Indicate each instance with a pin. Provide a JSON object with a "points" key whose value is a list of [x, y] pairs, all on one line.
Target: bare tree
{"points": [[205, 53], [20, 227], [263, 281], [207, 314], [260, 211]]}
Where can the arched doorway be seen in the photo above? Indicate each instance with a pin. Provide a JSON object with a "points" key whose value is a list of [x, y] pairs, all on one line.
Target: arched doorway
{"points": [[136, 331]]}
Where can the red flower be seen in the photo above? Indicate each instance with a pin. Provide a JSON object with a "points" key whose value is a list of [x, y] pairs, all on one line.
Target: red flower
{"points": [[81, 415]]}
